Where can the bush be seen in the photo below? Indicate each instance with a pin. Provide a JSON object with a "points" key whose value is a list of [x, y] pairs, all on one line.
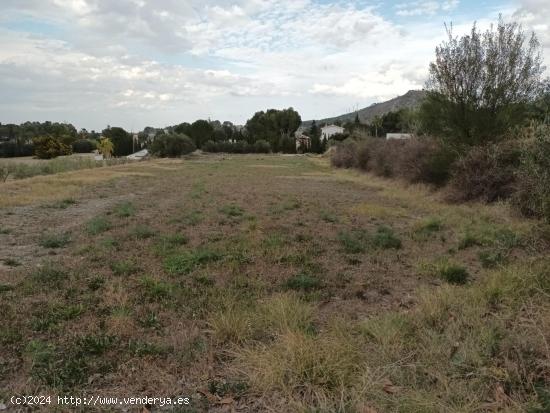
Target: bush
{"points": [[486, 173], [533, 187], [262, 146], [425, 160], [47, 147], [172, 146], [344, 154], [11, 149], [84, 146]]}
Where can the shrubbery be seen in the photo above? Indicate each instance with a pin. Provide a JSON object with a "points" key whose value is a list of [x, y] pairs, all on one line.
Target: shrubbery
{"points": [[48, 147], [485, 173], [84, 146], [414, 160], [172, 146], [533, 187], [11, 149], [260, 146]]}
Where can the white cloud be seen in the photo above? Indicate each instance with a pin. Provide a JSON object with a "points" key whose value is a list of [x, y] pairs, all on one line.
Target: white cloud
{"points": [[419, 8]]}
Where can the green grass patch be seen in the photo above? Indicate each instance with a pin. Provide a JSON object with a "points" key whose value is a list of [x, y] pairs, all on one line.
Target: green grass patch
{"points": [[142, 231], [187, 261], [329, 216], [426, 229], [5, 231], [124, 209], [491, 258], [52, 240], [302, 282], [11, 262], [353, 242], [446, 270], [98, 225], [126, 267], [156, 290], [385, 238], [49, 274]]}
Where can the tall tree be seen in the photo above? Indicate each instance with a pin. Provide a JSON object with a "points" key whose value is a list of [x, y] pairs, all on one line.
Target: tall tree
{"points": [[481, 83]]}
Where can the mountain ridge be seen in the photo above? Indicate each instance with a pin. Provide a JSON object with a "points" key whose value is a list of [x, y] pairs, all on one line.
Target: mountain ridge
{"points": [[411, 99]]}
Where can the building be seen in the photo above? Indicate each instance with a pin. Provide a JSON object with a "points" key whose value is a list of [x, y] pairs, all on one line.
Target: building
{"points": [[303, 142], [329, 130], [398, 136]]}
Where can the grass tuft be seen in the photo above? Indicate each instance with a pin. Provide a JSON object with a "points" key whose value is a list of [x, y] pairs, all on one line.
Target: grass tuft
{"points": [[98, 225], [51, 240], [186, 262]]}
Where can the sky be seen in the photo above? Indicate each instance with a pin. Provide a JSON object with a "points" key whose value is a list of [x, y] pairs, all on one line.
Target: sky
{"points": [[137, 63]]}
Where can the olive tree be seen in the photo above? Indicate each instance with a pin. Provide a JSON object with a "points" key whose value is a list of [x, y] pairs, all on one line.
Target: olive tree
{"points": [[480, 84]]}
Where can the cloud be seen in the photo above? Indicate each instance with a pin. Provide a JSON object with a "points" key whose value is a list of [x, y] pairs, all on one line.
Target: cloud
{"points": [[420, 8]]}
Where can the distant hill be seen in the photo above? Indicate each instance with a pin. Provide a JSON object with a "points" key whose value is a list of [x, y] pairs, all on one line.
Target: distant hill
{"points": [[410, 99]]}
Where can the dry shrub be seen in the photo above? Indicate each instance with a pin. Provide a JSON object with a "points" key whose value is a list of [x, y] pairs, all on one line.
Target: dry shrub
{"points": [[533, 188], [345, 155], [485, 173], [425, 160]]}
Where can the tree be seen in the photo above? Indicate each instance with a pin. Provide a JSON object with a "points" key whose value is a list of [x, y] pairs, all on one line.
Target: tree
{"points": [[105, 147], [376, 123], [480, 84], [276, 127], [48, 147], [172, 145], [315, 136], [121, 140], [201, 131]]}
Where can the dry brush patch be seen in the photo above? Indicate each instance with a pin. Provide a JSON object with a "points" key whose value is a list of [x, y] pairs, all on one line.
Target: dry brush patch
{"points": [[268, 288]]}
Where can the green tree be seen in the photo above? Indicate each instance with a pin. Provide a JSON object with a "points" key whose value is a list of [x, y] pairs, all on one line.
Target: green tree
{"points": [[315, 136], [172, 145], [201, 131], [480, 84], [121, 140]]}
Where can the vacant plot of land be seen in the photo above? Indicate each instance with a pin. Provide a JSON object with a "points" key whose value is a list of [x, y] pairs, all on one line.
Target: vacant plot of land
{"points": [[269, 283]]}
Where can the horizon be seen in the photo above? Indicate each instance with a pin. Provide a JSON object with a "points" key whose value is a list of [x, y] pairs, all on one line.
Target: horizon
{"points": [[134, 64]]}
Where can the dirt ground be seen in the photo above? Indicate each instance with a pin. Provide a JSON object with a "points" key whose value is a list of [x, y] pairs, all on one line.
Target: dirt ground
{"points": [[112, 280]]}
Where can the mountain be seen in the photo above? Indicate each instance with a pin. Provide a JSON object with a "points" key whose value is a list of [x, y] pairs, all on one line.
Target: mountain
{"points": [[411, 99]]}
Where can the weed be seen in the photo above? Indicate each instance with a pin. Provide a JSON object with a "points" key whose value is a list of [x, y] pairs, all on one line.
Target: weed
{"points": [[5, 288], [232, 211], [125, 210], [110, 242], [98, 225], [156, 290], [124, 268], [63, 204], [354, 242], [454, 274], [491, 258], [49, 274], [48, 318], [140, 348], [328, 216], [302, 282], [186, 262], [11, 262], [50, 240], [96, 344], [426, 229], [192, 218], [96, 283], [385, 238], [5, 231], [167, 243], [142, 232]]}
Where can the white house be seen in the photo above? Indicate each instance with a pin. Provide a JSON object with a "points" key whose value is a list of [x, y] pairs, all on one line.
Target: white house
{"points": [[398, 136], [328, 130]]}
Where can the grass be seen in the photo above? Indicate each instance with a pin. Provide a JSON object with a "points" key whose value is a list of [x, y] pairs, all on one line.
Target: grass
{"points": [[11, 262], [446, 270], [22, 170], [98, 225], [125, 210], [53, 240], [302, 282], [124, 268], [292, 310], [186, 262]]}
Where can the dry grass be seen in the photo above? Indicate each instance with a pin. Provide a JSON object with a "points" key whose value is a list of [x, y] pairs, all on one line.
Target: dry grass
{"points": [[231, 282]]}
